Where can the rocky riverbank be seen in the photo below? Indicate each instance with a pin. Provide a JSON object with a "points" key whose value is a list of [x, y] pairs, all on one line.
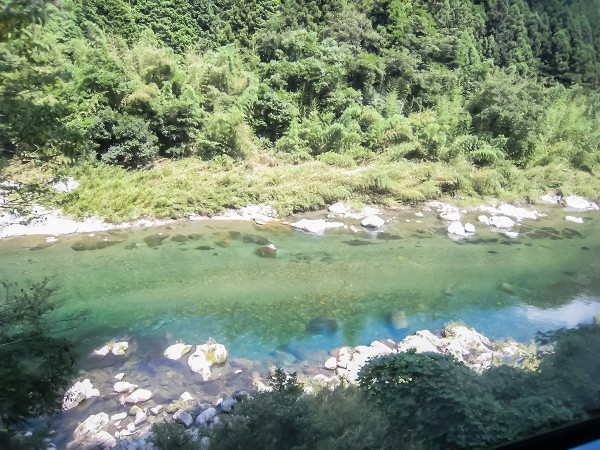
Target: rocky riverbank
{"points": [[134, 403]]}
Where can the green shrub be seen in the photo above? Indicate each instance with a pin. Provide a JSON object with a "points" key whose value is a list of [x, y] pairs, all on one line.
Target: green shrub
{"points": [[172, 436]]}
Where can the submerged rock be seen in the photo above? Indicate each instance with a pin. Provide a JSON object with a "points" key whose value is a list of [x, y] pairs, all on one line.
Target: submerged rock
{"points": [[254, 239], [267, 251], [574, 219], [155, 240], [322, 325], [358, 242]]}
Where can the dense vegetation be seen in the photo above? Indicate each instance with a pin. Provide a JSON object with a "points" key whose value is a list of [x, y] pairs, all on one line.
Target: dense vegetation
{"points": [[36, 361], [391, 100], [412, 400]]}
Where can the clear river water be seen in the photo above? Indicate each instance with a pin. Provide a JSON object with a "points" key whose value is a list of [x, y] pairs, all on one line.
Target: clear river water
{"points": [[196, 280]]}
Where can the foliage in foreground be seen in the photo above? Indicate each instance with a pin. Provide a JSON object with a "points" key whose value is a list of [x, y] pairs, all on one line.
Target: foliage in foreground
{"points": [[35, 365], [426, 400]]}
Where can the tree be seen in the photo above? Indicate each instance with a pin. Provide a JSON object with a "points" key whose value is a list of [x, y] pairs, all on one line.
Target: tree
{"points": [[36, 362]]}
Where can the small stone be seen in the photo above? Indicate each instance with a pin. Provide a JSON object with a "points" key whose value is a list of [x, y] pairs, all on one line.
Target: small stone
{"points": [[119, 376], [131, 427], [156, 410], [117, 417], [140, 417], [171, 408], [469, 228], [134, 410], [186, 396], [484, 219]]}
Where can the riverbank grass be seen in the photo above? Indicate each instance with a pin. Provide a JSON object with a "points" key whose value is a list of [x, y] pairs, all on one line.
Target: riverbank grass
{"points": [[178, 188]]}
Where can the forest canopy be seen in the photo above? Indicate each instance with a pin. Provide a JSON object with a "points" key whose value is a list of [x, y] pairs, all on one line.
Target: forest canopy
{"points": [[485, 87]]}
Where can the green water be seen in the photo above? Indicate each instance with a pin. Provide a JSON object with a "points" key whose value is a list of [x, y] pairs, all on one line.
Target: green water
{"points": [[197, 280]]}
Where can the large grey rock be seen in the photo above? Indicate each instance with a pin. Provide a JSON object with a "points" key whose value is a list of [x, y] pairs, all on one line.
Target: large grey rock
{"points": [[184, 418], [227, 404], [206, 417]]}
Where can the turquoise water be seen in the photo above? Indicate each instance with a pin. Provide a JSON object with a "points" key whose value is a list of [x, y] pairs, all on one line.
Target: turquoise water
{"points": [[197, 280], [192, 281]]}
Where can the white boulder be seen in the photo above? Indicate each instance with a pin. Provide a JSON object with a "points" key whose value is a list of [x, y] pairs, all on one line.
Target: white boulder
{"points": [[457, 229], [331, 363], [139, 396], [574, 219], [317, 226], [372, 222], [102, 351], [449, 213], [502, 222], [92, 434], [484, 219], [576, 202], [470, 228], [79, 392], [124, 386], [205, 356], [176, 351]]}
